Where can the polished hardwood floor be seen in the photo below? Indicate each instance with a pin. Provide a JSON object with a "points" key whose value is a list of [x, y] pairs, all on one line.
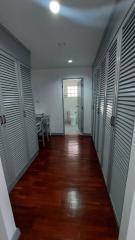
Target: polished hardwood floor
{"points": [[62, 196]]}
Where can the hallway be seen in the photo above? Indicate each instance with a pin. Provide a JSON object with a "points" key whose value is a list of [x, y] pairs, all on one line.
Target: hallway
{"points": [[62, 196]]}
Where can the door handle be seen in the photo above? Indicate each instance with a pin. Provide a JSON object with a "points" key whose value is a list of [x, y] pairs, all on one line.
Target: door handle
{"points": [[1, 120], [24, 113], [112, 121], [4, 119]]}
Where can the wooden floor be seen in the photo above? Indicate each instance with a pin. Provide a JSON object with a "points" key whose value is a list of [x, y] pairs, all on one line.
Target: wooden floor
{"points": [[63, 196]]}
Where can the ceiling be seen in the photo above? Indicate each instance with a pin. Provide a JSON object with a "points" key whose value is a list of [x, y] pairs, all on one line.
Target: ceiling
{"points": [[53, 39]]}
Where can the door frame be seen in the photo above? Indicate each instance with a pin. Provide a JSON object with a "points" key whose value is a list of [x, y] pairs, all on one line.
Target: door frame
{"points": [[82, 102]]}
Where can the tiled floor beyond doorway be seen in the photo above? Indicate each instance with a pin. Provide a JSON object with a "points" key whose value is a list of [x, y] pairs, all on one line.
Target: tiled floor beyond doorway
{"points": [[71, 130]]}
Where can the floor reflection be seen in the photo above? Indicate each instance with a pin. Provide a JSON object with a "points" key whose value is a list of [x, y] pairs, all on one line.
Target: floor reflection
{"points": [[73, 200], [73, 148]]}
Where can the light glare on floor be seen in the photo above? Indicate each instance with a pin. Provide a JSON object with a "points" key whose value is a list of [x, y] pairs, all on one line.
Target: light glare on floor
{"points": [[54, 7]]}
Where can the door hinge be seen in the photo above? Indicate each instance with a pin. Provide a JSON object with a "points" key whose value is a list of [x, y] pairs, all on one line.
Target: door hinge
{"points": [[113, 121]]}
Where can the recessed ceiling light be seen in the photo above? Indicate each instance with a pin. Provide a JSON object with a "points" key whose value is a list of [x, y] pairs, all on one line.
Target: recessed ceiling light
{"points": [[70, 61], [54, 7]]}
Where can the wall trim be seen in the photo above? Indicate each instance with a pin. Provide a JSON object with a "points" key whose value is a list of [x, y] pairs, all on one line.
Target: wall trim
{"points": [[16, 234]]}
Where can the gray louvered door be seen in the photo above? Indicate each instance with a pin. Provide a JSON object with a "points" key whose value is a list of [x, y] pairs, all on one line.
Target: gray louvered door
{"points": [[97, 108], [125, 117], [13, 126], [101, 108], [29, 114], [3, 153], [109, 109], [94, 105]]}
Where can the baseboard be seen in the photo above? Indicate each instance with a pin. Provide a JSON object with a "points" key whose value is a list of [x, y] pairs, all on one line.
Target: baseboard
{"points": [[16, 234], [114, 211], [86, 134], [57, 134], [62, 134], [22, 172]]}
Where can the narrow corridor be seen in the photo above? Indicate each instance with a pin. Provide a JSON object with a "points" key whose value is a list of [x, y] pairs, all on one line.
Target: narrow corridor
{"points": [[63, 196]]}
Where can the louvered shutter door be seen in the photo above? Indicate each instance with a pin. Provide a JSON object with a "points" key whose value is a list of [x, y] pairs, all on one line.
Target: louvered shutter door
{"points": [[97, 108], [30, 123], [124, 118], [14, 127], [110, 94], [7, 173], [94, 105], [101, 108]]}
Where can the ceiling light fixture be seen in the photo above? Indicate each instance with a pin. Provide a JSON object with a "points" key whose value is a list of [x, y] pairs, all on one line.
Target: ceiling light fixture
{"points": [[54, 7], [70, 61]]}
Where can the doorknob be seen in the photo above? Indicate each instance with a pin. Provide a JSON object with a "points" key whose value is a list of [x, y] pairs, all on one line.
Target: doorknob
{"points": [[4, 119], [24, 113], [112, 121]]}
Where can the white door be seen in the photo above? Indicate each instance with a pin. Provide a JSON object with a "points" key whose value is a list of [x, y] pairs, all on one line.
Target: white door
{"points": [[101, 109], [97, 109], [109, 109], [29, 113], [13, 127], [3, 153], [125, 117]]}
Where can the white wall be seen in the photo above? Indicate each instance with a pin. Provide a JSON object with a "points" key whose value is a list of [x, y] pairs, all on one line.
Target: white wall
{"points": [[47, 91], [10, 45], [8, 229]]}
